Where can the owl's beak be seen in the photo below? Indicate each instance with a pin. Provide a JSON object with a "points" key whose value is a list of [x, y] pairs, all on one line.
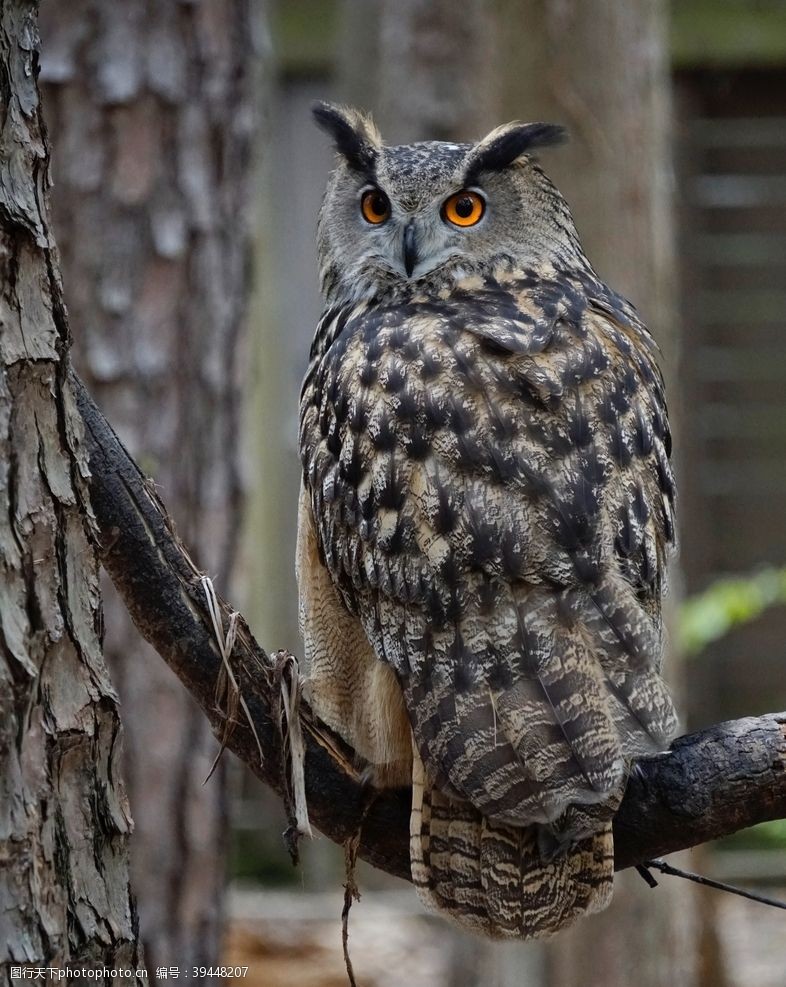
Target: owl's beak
{"points": [[410, 248]]}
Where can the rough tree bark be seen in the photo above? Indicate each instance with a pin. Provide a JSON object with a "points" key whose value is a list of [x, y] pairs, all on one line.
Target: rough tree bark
{"points": [[64, 822], [151, 109]]}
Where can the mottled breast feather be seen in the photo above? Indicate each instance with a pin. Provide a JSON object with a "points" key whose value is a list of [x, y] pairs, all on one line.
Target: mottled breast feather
{"points": [[489, 476]]}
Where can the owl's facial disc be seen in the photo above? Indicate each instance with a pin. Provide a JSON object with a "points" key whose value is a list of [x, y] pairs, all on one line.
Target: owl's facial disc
{"points": [[417, 244], [433, 213], [417, 240], [436, 233]]}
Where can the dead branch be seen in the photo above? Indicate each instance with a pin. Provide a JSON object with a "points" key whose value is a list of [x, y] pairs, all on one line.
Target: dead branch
{"points": [[709, 784]]}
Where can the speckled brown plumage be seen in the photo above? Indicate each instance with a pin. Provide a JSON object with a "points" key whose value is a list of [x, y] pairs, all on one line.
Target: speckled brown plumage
{"points": [[486, 513]]}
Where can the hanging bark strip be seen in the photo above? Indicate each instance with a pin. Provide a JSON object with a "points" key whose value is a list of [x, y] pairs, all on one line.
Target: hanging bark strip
{"points": [[709, 784]]}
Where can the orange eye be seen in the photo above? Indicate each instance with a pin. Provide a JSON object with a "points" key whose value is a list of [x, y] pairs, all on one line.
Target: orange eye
{"points": [[375, 206], [464, 208]]}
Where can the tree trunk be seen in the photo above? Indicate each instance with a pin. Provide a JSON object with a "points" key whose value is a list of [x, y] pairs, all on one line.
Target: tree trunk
{"points": [[435, 70], [151, 107], [426, 69], [64, 822], [602, 70]]}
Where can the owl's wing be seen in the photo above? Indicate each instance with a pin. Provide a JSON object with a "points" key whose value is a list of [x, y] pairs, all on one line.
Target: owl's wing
{"points": [[491, 489]]}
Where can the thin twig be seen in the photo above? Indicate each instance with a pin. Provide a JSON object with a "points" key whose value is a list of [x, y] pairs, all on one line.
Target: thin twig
{"points": [[664, 868], [351, 894]]}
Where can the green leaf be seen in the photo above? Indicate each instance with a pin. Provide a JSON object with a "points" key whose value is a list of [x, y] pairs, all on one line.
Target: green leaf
{"points": [[726, 604]]}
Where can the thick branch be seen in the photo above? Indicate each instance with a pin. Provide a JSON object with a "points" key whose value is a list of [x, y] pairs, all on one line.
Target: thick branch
{"points": [[708, 785]]}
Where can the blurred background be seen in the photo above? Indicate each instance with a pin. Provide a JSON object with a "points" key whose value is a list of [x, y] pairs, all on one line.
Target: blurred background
{"points": [[188, 175]]}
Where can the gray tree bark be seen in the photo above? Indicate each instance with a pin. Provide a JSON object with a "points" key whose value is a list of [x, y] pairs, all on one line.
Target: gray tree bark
{"points": [[151, 108], [426, 68], [447, 71], [426, 71], [602, 70], [435, 69], [64, 820]]}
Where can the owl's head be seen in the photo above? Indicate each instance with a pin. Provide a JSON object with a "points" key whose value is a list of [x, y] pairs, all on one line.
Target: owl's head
{"points": [[430, 214]]}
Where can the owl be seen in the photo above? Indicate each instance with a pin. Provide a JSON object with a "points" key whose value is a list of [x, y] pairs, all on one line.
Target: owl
{"points": [[485, 518]]}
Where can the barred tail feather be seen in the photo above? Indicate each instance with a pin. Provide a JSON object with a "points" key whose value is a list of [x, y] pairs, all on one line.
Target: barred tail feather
{"points": [[491, 879]]}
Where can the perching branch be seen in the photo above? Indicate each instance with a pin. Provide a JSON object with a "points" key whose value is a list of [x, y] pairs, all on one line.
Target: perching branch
{"points": [[708, 785]]}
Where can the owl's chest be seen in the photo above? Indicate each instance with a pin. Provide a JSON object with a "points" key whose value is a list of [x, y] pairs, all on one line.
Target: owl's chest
{"points": [[414, 429], [492, 397]]}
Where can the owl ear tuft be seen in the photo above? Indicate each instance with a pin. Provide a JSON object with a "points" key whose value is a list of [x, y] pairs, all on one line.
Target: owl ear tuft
{"points": [[507, 143], [354, 134]]}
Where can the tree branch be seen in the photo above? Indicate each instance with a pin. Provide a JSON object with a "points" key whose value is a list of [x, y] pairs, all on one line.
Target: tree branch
{"points": [[709, 784]]}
